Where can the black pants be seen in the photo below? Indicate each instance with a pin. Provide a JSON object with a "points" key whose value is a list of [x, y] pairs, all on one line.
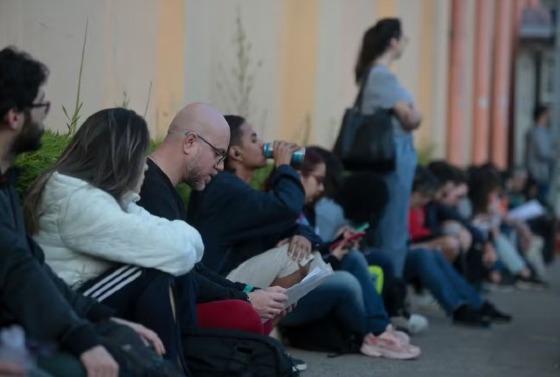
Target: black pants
{"points": [[471, 266], [143, 296], [186, 291], [545, 226]]}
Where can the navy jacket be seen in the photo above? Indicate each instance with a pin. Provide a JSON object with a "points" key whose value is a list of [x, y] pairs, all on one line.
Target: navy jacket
{"points": [[238, 222], [31, 294]]}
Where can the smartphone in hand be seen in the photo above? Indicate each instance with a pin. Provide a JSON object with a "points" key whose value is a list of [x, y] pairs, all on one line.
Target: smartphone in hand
{"points": [[339, 240]]}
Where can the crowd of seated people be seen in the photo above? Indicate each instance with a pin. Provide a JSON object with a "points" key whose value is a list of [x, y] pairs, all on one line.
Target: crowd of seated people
{"points": [[90, 266], [248, 225], [104, 247], [520, 251]]}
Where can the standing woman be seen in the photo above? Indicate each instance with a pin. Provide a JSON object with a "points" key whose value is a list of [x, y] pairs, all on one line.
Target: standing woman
{"points": [[383, 44]]}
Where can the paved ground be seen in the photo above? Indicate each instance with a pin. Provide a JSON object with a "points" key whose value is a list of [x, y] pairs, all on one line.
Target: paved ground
{"points": [[529, 347]]}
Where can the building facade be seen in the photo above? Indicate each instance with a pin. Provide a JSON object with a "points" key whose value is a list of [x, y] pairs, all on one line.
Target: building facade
{"points": [[286, 64]]}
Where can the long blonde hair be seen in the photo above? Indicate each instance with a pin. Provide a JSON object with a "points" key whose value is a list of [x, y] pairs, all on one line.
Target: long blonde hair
{"points": [[108, 152]]}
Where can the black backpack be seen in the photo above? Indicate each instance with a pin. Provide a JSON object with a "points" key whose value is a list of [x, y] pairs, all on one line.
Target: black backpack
{"points": [[135, 358], [324, 335], [233, 353]]}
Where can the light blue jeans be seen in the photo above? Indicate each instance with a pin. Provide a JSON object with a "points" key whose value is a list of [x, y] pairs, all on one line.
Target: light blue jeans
{"points": [[508, 254], [341, 294], [392, 231], [449, 288], [377, 319]]}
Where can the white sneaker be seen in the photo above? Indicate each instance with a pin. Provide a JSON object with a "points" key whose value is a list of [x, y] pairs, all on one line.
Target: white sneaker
{"points": [[275, 334], [298, 365], [414, 324]]}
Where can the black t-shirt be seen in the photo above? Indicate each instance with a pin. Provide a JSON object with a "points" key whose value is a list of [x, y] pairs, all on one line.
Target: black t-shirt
{"points": [[160, 198]]}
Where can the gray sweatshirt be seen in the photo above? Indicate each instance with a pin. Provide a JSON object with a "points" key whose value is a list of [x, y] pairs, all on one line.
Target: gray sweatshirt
{"points": [[539, 153]]}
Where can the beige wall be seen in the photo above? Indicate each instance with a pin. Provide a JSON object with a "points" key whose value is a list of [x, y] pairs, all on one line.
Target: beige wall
{"points": [[120, 53], [340, 32], [210, 56], [424, 66], [301, 57]]}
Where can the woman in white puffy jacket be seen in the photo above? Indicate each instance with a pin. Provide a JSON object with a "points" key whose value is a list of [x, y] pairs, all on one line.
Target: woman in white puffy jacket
{"points": [[83, 213]]}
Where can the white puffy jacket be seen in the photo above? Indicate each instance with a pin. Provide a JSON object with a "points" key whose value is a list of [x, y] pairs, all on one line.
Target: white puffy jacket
{"points": [[84, 232]]}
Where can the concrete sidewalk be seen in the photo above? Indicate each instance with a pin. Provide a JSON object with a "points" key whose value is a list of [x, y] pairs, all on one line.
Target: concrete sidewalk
{"points": [[528, 347]]}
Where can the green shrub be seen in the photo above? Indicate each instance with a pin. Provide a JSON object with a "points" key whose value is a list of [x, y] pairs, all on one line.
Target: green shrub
{"points": [[34, 163], [260, 177], [154, 144], [184, 192]]}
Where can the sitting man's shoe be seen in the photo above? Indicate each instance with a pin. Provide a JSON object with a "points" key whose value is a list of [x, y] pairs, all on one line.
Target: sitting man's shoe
{"points": [[298, 365], [491, 313], [467, 316], [530, 283], [410, 323]]}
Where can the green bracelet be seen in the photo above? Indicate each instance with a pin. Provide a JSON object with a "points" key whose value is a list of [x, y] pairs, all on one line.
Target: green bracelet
{"points": [[248, 288]]}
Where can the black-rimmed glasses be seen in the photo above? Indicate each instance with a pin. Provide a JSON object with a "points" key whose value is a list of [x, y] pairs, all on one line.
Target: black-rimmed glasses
{"points": [[46, 105], [220, 153]]}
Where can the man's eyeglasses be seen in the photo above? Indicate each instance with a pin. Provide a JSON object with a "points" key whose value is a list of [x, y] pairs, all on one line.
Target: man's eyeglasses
{"points": [[220, 153], [46, 105]]}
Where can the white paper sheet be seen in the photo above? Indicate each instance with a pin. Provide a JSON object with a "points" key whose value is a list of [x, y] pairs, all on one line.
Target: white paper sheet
{"points": [[527, 211], [309, 283]]}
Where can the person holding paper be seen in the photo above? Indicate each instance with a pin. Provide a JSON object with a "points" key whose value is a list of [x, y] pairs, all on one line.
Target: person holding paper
{"points": [[242, 228], [488, 211], [184, 157]]}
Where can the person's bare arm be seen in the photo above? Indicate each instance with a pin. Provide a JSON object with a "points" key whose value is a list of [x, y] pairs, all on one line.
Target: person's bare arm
{"points": [[408, 115]]}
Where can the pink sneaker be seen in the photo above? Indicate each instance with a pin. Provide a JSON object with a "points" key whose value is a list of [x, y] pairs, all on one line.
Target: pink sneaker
{"points": [[389, 346], [401, 335]]}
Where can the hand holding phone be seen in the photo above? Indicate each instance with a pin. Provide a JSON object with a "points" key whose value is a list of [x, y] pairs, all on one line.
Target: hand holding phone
{"points": [[347, 238]]}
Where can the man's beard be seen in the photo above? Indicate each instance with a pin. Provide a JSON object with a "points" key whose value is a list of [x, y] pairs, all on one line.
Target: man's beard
{"points": [[194, 177], [29, 139], [196, 182]]}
